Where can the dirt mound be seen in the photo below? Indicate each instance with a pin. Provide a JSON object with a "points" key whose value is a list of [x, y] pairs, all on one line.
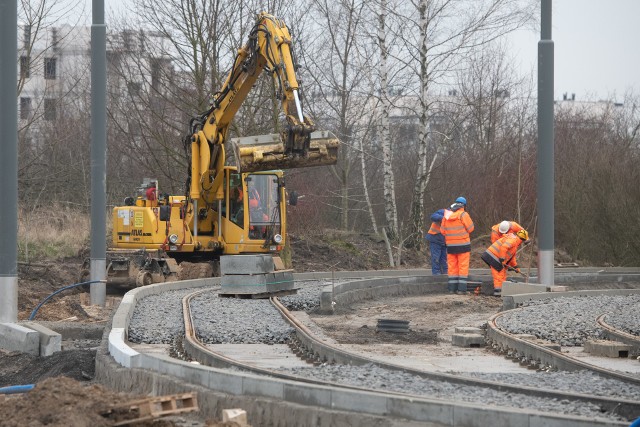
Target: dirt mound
{"points": [[22, 368], [191, 270], [36, 281], [60, 402], [65, 402]]}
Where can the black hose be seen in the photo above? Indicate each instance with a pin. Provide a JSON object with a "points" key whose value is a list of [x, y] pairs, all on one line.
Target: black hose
{"points": [[75, 285]]}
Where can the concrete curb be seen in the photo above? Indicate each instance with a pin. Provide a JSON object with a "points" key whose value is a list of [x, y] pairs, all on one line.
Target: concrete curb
{"points": [[15, 337]]}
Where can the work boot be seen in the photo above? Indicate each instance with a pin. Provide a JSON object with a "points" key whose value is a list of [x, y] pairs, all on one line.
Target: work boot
{"points": [[497, 292]]}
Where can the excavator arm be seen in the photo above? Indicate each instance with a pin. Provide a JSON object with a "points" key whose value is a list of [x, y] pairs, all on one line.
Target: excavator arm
{"points": [[267, 49]]}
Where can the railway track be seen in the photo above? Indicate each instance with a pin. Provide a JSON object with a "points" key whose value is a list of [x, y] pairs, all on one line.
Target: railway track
{"points": [[306, 346], [538, 354]]}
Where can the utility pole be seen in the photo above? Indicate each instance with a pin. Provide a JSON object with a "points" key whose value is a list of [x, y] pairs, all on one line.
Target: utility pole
{"points": [[546, 172], [9, 161], [98, 267]]}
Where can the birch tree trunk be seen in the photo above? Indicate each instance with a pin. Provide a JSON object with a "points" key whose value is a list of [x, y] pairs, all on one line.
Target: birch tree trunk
{"points": [[390, 209], [416, 220], [367, 199]]}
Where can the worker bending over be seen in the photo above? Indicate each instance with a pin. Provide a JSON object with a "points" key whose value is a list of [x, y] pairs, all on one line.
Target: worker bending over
{"points": [[499, 230], [501, 255], [456, 227]]}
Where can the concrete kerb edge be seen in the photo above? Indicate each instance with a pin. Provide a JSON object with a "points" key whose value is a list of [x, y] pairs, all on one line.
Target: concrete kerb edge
{"points": [[16, 337], [344, 293]]}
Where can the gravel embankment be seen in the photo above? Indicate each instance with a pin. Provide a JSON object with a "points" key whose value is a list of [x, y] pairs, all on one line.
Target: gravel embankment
{"points": [[569, 321]]}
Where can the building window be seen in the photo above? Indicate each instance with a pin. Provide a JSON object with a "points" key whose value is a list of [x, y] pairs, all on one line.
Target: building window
{"points": [[155, 74], [54, 38], [26, 35], [134, 88], [25, 67], [50, 109], [25, 108], [49, 68]]}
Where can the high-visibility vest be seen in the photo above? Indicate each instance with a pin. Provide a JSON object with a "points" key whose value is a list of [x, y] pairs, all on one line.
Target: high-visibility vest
{"points": [[505, 248], [455, 228], [434, 229]]}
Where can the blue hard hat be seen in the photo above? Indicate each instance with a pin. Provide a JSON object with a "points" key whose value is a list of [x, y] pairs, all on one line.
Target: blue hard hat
{"points": [[461, 200]]}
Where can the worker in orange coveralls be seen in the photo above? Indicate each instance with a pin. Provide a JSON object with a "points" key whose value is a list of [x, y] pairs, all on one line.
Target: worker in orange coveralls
{"points": [[456, 227], [499, 230], [501, 255]]}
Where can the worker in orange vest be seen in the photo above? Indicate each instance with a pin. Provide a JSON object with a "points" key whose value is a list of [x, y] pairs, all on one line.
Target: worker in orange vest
{"points": [[499, 230], [501, 255], [456, 227], [436, 244]]}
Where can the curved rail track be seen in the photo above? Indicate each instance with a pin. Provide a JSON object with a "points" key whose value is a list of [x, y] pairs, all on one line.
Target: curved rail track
{"points": [[314, 350], [618, 335], [540, 355]]}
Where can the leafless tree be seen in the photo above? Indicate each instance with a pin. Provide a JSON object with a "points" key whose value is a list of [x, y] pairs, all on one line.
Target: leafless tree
{"points": [[337, 60], [447, 31]]}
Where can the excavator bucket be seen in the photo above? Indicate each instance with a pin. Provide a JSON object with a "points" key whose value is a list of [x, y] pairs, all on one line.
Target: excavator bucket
{"points": [[267, 152]]}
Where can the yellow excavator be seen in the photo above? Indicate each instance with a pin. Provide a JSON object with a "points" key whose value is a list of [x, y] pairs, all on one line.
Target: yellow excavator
{"points": [[235, 198]]}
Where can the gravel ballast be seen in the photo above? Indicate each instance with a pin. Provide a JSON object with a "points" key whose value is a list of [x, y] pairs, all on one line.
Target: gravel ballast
{"points": [[569, 321]]}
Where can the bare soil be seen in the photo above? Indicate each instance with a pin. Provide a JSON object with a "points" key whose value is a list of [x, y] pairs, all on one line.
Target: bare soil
{"points": [[432, 319]]}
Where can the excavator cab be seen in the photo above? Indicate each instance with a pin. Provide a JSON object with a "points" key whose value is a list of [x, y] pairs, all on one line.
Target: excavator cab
{"points": [[253, 223]]}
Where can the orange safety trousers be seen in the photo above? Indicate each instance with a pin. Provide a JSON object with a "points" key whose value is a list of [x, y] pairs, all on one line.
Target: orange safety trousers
{"points": [[498, 277], [458, 271]]}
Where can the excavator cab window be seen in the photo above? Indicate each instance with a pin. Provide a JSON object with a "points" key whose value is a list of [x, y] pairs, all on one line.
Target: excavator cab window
{"points": [[236, 199], [264, 209]]}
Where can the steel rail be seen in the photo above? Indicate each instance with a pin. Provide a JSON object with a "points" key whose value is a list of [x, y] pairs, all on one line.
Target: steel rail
{"points": [[529, 352], [199, 351], [619, 335], [327, 352]]}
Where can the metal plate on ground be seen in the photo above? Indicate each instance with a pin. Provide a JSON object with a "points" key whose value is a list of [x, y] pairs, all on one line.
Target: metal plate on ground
{"points": [[393, 325]]}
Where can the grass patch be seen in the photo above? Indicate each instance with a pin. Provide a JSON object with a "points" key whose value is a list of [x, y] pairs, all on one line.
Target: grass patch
{"points": [[51, 233], [347, 246]]}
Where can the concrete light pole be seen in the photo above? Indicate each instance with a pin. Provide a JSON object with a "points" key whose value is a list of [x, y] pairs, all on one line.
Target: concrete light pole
{"points": [[98, 153], [9, 161], [546, 172]]}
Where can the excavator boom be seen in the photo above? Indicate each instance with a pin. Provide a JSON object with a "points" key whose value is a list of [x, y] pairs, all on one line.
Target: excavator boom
{"points": [[268, 49]]}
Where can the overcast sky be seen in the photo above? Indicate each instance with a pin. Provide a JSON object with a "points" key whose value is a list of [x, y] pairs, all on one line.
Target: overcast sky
{"points": [[596, 46]]}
